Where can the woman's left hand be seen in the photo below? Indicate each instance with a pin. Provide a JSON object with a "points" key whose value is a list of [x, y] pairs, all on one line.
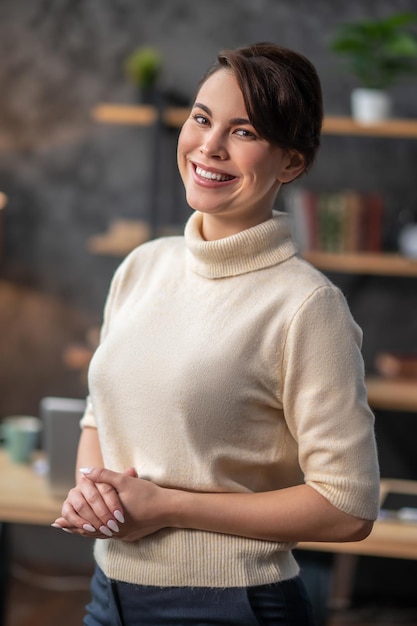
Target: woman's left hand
{"points": [[143, 506]]}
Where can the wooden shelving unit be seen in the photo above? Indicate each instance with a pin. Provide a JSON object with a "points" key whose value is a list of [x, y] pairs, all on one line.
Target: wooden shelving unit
{"points": [[385, 394]]}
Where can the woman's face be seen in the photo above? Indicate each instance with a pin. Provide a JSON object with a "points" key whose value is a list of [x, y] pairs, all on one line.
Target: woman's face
{"points": [[230, 174]]}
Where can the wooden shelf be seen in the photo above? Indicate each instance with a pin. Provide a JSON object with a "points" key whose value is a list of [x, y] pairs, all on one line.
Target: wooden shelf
{"points": [[3, 200], [383, 264], [144, 115], [125, 114], [389, 538], [136, 115], [401, 128], [124, 235], [397, 394], [175, 117]]}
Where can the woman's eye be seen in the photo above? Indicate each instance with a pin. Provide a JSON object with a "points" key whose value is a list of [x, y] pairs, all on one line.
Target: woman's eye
{"points": [[244, 132], [200, 119]]}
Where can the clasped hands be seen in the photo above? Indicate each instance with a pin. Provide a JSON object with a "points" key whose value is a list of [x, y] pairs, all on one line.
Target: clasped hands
{"points": [[107, 504]]}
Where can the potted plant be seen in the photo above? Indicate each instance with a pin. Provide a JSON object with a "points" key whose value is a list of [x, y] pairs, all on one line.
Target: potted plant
{"points": [[380, 53], [143, 67]]}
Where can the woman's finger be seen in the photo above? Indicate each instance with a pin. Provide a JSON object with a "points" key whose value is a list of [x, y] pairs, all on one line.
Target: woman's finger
{"points": [[108, 483], [62, 523], [85, 508], [111, 499]]}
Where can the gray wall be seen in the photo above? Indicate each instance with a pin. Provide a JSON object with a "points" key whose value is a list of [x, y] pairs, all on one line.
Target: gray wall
{"points": [[67, 176]]}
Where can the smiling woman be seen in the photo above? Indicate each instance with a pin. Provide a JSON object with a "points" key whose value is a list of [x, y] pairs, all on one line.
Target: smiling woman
{"points": [[227, 417]]}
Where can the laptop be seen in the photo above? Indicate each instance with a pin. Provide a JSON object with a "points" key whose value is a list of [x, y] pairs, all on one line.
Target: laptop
{"points": [[61, 433]]}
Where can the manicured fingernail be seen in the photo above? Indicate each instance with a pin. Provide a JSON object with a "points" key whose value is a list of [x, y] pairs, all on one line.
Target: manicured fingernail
{"points": [[89, 528], [106, 531], [85, 470], [56, 526], [67, 530], [113, 526], [119, 516]]}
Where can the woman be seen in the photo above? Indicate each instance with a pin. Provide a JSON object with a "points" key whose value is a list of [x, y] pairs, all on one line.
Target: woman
{"points": [[227, 398]]}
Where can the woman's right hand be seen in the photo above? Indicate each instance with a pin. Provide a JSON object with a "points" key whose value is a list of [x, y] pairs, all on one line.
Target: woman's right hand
{"points": [[92, 509]]}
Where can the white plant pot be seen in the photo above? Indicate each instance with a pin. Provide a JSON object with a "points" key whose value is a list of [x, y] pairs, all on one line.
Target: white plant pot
{"points": [[407, 241], [370, 105]]}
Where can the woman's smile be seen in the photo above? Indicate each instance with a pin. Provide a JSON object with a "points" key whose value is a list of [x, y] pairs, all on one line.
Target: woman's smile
{"points": [[205, 175]]}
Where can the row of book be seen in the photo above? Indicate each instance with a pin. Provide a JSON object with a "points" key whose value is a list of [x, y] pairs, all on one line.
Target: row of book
{"points": [[343, 221]]}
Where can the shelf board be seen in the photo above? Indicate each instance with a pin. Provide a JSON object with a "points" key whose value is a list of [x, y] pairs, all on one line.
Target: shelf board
{"points": [[385, 264], [124, 235], [395, 394], [138, 115], [3, 200], [144, 115], [175, 117], [401, 128], [365, 263], [125, 114]]}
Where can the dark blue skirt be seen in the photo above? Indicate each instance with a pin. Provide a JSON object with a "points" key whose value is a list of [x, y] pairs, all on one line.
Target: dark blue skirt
{"points": [[123, 604]]}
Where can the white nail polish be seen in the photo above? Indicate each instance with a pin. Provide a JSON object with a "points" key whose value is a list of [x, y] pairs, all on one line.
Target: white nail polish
{"points": [[113, 526], [85, 470], [119, 516], [89, 528], [67, 530], [56, 526], [106, 531]]}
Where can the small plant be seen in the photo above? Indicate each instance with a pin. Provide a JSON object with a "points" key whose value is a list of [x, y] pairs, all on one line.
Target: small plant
{"points": [[143, 67], [380, 52]]}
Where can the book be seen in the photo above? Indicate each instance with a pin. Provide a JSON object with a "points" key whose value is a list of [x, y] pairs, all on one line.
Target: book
{"points": [[301, 206], [337, 222]]}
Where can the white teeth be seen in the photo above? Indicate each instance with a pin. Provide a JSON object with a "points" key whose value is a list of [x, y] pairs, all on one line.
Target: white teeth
{"points": [[212, 175]]}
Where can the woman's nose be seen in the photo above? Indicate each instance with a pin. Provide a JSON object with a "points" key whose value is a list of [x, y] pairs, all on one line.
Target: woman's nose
{"points": [[214, 147]]}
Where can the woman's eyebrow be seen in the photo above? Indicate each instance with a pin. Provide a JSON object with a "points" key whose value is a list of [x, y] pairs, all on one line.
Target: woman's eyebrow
{"points": [[199, 105], [234, 121]]}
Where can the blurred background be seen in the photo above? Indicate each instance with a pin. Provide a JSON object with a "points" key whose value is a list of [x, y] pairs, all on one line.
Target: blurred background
{"points": [[69, 176]]}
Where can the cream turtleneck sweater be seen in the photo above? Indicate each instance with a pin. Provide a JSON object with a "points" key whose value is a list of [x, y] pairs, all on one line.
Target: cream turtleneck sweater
{"points": [[229, 365]]}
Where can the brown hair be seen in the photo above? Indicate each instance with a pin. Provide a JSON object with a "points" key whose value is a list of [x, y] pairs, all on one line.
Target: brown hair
{"points": [[282, 95]]}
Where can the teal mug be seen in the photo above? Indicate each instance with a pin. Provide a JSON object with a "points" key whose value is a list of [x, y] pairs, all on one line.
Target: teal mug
{"points": [[21, 435]]}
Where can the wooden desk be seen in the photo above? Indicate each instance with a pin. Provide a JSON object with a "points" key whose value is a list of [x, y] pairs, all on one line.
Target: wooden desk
{"points": [[24, 498], [24, 495]]}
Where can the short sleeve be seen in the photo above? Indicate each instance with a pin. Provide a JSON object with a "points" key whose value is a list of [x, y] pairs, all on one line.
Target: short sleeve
{"points": [[325, 404]]}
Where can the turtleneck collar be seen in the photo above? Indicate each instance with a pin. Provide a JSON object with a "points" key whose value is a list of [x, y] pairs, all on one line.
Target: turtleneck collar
{"points": [[264, 245]]}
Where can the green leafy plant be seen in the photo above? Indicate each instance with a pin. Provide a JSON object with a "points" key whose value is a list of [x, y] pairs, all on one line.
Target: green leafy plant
{"points": [[143, 67], [380, 52]]}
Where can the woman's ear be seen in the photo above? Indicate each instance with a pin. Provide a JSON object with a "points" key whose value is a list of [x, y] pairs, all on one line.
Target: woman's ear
{"points": [[295, 166]]}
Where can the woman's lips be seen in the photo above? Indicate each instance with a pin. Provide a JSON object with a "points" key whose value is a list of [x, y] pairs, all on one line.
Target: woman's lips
{"points": [[211, 176]]}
